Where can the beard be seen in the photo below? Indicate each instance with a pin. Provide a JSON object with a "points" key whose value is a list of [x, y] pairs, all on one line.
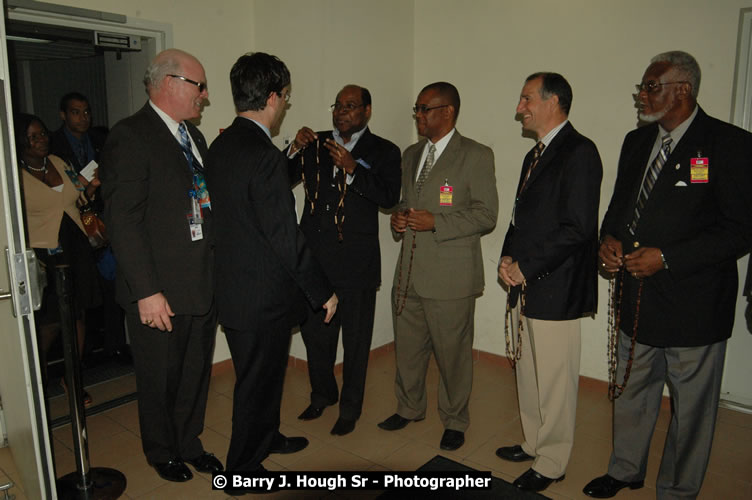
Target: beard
{"points": [[652, 117]]}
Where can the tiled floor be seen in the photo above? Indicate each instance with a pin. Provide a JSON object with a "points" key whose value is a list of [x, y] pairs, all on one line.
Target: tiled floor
{"points": [[114, 439]]}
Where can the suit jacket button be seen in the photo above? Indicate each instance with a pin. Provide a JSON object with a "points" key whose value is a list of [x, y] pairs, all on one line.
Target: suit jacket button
{"points": [[636, 244]]}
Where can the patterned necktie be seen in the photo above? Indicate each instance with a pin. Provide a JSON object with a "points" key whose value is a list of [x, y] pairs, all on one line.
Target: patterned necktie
{"points": [[537, 150], [427, 165], [650, 178], [185, 143]]}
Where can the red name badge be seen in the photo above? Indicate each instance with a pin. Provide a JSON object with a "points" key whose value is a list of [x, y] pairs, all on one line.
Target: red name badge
{"points": [[445, 196], [698, 170]]}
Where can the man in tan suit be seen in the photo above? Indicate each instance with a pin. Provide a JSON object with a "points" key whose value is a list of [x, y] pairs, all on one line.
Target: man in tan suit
{"points": [[449, 200]]}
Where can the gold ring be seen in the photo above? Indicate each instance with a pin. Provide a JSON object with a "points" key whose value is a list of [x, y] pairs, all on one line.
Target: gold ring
{"points": [[148, 322]]}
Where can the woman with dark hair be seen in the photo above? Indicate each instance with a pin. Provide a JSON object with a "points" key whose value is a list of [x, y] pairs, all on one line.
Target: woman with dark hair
{"points": [[51, 190]]}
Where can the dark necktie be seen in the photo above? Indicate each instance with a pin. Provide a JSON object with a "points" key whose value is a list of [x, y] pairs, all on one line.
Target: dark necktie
{"points": [[185, 143], [427, 166], [650, 178], [82, 153], [537, 150]]}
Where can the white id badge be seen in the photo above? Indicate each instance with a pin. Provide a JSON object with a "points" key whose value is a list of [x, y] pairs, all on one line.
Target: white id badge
{"points": [[197, 233]]}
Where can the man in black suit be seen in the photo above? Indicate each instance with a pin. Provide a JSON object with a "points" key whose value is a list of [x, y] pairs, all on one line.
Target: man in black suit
{"points": [[79, 145], [265, 271], [75, 141], [159, 219], [678, 220], [549, 262], [348, 173]]}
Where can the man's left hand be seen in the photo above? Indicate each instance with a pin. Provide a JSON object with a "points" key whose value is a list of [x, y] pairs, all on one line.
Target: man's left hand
{"points": [[644, 262], [340, 156], [420, 220], [515, 273]]}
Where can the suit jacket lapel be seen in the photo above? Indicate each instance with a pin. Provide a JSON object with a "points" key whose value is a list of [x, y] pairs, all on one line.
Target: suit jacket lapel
{"points": [[688, 147], [549, 153]]}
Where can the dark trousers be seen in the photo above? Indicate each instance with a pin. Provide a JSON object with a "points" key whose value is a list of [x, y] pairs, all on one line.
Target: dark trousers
{"points": [[172, 379], [260, 358], [355, 314]]}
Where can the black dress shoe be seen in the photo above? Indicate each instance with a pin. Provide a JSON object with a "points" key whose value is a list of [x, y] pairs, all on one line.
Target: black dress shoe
{"points": [[283, 445], [396, 422], [513, 454], [206, 462], [173, 470], [311, 413], [532, 481], [343, 426], [451, 440], [607, 486]]}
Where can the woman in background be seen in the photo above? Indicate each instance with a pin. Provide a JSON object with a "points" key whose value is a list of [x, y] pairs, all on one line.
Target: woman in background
{"points": [[51, 190]]}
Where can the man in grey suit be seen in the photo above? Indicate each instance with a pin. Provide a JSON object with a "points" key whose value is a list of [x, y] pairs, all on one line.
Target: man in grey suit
{"points": [[160, 224], [449, 201]]}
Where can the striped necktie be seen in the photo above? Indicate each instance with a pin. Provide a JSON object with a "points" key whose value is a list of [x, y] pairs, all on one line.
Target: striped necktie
{"points": [[537, 151], [185, 143], [650, 178], [427, 166]]}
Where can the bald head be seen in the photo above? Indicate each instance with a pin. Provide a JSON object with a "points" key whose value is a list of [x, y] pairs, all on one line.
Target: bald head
{"points": [[176, 84]]}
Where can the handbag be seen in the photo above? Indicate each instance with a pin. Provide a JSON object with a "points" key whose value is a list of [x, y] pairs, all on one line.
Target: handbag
{"points": [[93, 224]]}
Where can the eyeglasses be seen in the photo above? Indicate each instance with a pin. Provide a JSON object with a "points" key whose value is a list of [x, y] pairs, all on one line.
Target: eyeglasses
{"points": [[345, 107], [285, 96], [423, 109], [651, 87], [201, 86]]}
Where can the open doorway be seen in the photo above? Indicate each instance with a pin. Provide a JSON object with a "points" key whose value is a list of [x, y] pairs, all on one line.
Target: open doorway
{"points": [[49, 57]]}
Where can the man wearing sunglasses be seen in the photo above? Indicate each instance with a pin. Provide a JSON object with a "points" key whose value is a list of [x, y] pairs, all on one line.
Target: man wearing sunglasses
{"points": [[449, 200], [159, 220], [678, 220], [349, 173]]}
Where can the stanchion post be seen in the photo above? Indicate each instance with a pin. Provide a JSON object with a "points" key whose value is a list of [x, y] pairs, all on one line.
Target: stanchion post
{"points": [[86, 483]]}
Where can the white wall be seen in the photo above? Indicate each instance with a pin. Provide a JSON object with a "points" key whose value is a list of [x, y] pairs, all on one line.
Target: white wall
{"points": [[327, 44], [486, 48]]}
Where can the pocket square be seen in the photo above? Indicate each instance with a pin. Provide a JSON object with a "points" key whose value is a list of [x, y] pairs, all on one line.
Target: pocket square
{"points": [[680, 184]]}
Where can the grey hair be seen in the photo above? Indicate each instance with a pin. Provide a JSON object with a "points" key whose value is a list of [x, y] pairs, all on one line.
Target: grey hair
{"points": [[159, 68], [685, 65]]}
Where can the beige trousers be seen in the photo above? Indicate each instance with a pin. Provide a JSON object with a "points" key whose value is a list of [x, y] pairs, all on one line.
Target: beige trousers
{"points": [[547, 380]]}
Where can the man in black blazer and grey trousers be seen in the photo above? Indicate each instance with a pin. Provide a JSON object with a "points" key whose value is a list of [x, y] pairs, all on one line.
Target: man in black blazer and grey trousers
{"points": [[265, 272], [673, 233], [160, 223]]}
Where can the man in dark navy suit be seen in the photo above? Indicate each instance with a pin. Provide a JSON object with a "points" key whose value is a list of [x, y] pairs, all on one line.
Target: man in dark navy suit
{"points": [[265, 272], [162, 235], [549, 262], [348, 173]]}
